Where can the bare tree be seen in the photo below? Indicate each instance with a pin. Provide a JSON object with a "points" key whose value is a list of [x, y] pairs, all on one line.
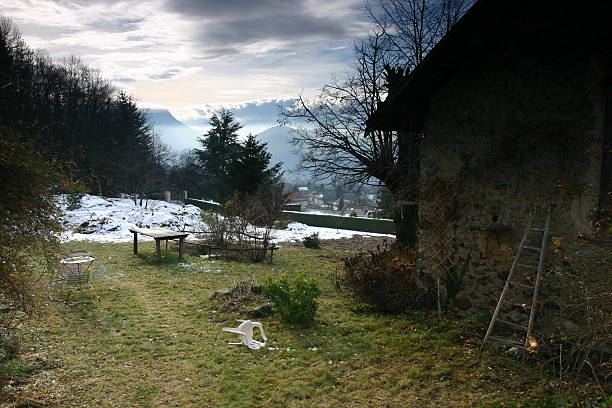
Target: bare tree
{"points": [[331, 134], [332, 139], [414, 27]]}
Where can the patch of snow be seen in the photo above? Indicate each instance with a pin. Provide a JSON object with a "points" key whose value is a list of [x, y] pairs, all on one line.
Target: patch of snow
{"points": [[110, 219], [206, 201], [333, 214], [296, 231]]}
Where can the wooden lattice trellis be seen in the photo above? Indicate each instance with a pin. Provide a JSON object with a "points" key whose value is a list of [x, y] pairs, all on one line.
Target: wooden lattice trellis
{"points": [[441, 196]]}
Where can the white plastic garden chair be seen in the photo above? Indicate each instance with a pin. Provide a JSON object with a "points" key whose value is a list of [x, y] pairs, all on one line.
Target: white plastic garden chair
{"points": [[245, 331]]}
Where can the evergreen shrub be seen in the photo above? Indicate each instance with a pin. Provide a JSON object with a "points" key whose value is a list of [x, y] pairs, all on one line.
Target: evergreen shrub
{"points": [[312, 241], [296, 301]]}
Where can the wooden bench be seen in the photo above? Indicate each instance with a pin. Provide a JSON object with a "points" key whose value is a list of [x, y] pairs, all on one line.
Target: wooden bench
{"points": [[159, 234], [213, 249]]}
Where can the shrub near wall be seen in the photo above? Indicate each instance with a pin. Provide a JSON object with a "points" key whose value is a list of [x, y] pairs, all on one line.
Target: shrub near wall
{"points": [[388, 279]]}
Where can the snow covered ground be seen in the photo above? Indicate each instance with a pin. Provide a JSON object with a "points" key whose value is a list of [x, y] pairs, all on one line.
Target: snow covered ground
{"points": [[109, 220], [297, 232]]}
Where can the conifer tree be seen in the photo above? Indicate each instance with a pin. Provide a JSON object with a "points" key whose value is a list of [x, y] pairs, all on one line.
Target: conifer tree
{"points": [[251, 167], [230, 168], [220, 148]]}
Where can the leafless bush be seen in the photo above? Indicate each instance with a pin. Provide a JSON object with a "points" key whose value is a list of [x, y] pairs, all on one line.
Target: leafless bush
{"points": [[241, 293], [243, 232], [581, 336], [388, 279]]}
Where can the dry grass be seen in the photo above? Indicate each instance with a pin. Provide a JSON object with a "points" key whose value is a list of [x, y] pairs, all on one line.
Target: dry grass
{"points": [[154, 340]]}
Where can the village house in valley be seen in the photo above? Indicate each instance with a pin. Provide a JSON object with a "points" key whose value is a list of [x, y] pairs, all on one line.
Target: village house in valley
{"points": [[512, 108]]}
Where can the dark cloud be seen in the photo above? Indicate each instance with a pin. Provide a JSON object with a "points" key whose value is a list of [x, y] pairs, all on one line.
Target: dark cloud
{"points": [[114, 24], [219, 52], [232, 8], [123, 79], [278, 27], [136, 38], [71, 3], [45, 31], [228, 23], [167, 74]]}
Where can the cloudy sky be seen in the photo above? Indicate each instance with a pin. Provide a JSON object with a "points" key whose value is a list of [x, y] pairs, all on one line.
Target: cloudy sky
{"points": [[184, 53]]}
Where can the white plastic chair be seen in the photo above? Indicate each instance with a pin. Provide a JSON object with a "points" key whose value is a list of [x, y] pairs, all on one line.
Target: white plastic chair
{"points": [[245, 331]]}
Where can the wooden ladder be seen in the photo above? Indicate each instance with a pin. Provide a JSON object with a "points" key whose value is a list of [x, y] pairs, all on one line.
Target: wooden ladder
{"points": [[510, 279]]}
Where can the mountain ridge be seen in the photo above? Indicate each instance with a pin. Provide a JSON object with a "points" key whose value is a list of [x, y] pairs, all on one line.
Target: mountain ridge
{"points": [[278, 139], [181, 137], [172, 131]]}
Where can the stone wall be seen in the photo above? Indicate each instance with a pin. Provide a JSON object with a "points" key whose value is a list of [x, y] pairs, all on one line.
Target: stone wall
{"points": [[506, 131]]}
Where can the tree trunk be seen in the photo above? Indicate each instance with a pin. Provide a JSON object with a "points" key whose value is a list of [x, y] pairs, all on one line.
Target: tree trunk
{"points": [[406, 224], [405, 189]]}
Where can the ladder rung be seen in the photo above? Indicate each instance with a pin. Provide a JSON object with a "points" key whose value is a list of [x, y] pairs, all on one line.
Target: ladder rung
{"points": [[522, 285], [521, 305], [513, 325], [534, 286], [532, 248], [527, 266]]}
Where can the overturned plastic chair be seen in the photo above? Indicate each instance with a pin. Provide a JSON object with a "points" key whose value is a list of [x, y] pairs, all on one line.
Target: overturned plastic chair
{"points": [[245, 331]]}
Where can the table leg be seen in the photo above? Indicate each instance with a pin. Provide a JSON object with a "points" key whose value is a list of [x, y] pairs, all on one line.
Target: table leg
{"points": [[181, 240], [135, 243], [158, 249]]}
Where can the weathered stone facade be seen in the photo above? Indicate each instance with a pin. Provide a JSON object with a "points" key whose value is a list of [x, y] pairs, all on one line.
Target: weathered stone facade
{"points": [[514, 109], [507, 136]]}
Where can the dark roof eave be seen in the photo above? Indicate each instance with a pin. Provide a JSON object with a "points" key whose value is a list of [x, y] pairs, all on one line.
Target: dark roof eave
{"points": [[424, 76]]}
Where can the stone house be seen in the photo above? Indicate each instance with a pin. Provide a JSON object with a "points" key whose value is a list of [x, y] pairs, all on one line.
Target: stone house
{"points": [[512, 108]]}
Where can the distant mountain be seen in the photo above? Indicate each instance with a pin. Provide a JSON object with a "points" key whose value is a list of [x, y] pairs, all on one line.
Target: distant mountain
{"points": [[255, 117], [171, 131], [278, 140], [181, 137]]}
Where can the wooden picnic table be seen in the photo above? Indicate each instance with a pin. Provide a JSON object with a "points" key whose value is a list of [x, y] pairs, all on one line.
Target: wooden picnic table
{"points": [[159, 234]]}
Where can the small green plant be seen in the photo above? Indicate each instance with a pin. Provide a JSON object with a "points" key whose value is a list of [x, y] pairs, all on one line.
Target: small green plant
{"points": [[295, 301], [312, 241], [16, 369], [10, 346]]}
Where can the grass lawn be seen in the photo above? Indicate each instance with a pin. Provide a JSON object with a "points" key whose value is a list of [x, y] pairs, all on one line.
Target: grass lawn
{"points": [[154, 339]]}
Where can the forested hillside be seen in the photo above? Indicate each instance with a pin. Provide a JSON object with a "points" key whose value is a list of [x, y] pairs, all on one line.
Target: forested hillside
{"points": [[69, 112]]}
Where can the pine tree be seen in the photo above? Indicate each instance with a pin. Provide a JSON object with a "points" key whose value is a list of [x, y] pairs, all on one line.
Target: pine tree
{"points": [[251, 167], [220, 148]]}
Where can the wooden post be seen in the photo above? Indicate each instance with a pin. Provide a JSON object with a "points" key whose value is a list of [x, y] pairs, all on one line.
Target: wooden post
{"points": [[181, 240], [158, 249], [135, 243]]}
